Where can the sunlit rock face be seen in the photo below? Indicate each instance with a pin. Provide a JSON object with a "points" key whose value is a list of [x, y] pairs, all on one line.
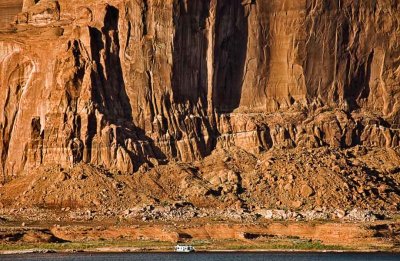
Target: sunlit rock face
{"points": [[8, 10], [128, 84]]}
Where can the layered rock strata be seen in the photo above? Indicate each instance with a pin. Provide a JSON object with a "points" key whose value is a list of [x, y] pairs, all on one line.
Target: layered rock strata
{"points": [[8, 10]]}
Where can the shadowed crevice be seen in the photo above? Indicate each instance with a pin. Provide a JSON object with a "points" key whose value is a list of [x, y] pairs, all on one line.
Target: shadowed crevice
{"points": [[189, 80], [231, 36], [109, 90]]}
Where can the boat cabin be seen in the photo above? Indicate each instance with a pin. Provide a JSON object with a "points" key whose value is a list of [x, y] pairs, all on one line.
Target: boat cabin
{"points": [[185, 249]]}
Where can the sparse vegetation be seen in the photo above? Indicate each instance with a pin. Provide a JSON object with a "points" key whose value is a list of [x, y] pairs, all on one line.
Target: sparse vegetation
{"points": [[91, 245], [167, 246]]}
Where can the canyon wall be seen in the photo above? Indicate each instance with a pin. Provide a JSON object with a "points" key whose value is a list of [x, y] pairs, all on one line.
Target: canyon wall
{"points": [[8, 10], [129, 84]]}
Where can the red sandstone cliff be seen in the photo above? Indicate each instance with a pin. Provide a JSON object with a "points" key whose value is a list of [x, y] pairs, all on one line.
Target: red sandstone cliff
{"points": [[128, 84]]}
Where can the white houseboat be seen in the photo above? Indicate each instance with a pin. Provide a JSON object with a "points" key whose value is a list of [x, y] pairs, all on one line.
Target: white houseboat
{"points": [[184, 249]]}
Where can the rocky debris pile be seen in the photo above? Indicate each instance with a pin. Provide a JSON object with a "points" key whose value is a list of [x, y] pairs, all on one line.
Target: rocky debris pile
{"points": [[179, 211], [296, 179], [172, 213], [55, 187], [230, 183], [309, 215], [360, 215], [184, 211], [28, 213]]}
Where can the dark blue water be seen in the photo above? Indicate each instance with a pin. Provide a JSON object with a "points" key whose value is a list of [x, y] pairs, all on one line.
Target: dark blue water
{"points": [[207, 257]]}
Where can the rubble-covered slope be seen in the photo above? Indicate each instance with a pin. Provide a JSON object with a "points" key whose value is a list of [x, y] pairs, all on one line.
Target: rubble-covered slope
{"points": [[322, 183]]}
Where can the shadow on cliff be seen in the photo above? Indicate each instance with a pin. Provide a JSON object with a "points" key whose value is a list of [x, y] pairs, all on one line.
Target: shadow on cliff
{"points": [[190, 72], [189, 79], [191, 66], [109, 90], [190, 69], [231, 36], [358, 87]]}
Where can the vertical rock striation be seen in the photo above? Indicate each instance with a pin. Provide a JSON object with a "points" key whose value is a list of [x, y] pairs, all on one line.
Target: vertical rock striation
{"points": [[128, 84]]}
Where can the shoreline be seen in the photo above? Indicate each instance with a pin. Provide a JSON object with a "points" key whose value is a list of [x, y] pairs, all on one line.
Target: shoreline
{"points": [[96, 237], [140, 251]]}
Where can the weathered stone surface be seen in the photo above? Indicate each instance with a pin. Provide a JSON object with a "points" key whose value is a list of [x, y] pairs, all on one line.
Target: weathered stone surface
{"points": [[306, 191], [8, 10], [124, 84]]}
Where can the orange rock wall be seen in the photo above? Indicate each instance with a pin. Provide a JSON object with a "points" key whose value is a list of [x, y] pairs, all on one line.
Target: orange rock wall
{"points": [[126, 84]]}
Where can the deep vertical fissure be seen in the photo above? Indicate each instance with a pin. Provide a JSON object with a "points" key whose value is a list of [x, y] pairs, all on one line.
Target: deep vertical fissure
{"points": [[231, 36]]}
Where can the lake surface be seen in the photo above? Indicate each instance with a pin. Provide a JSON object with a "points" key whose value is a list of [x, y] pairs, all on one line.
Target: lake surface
{"points": [[207, 256]]}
